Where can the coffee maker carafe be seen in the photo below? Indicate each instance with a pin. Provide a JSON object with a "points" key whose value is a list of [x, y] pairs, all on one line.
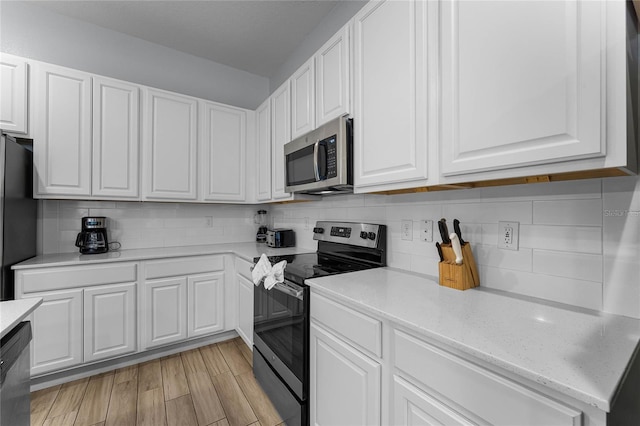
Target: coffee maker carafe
{"points": [[93, 237]]}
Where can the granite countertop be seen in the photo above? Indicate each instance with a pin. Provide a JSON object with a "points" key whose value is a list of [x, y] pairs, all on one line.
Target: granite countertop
{"points": [[580, 353], [14, 311], [246, 251]]}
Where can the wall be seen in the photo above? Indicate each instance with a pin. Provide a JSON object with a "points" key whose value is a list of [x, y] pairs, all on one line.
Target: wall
{"points": [[32, 32], [336, 19], [143, 225], [579, 241]]}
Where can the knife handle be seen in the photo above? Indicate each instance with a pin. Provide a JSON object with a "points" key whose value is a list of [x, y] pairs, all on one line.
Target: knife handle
{"points": [[440, 252], [455, 244], [456, 229], [444, 234]]}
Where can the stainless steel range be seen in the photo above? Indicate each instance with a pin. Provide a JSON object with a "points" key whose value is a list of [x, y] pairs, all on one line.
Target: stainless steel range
{"points": [[281, 315]]}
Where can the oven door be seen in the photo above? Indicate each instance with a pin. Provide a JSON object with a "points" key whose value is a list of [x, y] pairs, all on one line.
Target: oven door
{"points": [[281, 332]]}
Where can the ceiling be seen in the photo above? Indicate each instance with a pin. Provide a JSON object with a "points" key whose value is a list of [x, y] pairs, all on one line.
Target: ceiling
{"points": [[251, 35]]}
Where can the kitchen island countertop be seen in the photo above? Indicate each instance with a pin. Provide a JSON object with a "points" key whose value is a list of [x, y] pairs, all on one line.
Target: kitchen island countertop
{"points": [[14, 311], [580, 353], [246, 251]]}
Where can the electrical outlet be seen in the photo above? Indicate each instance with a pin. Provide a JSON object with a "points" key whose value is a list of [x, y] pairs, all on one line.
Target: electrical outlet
{"points": [[407, 230], [208, 220], [426, 231], [306, 224], [508, 235]]}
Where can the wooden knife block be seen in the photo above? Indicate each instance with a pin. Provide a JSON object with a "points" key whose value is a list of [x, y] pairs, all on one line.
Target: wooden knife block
{"points": [[460, 277]]}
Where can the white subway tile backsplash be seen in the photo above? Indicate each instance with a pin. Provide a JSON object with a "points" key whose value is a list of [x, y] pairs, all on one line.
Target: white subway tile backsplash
{"points": [[489, 212], [571, 265], [579, 239], [579, 189], [506, 259], [571, 212], [586, 294]]}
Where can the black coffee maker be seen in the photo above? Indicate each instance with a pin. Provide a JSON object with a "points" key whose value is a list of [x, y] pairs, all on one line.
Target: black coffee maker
{"points": [[93, 237]]}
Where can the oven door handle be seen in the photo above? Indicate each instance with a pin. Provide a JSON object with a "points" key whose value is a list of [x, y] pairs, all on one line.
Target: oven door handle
{"points": [[316, 168], [290, 289]]}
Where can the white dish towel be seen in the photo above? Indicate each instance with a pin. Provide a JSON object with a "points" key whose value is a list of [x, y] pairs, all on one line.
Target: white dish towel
{"points": [[271, 274]]}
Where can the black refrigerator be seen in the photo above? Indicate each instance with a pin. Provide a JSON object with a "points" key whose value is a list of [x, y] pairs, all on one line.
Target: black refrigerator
{"points": [[18, 210]]}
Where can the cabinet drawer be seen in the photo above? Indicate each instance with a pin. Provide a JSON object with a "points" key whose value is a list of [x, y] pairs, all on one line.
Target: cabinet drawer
{"points": [[354, 326], [76, 276], [244, 268], [477, 389], [182, 266]]}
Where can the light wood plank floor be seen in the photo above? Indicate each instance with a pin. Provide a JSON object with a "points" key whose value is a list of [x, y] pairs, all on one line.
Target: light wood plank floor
{"points": [[212, 385]]}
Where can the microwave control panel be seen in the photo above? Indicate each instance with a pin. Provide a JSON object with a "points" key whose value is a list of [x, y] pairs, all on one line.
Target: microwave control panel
{"points": [[332, 157]]}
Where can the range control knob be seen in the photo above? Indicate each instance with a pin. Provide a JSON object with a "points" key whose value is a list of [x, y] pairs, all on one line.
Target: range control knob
{"points": [[363, 235], [371, 235], [318, 230]]}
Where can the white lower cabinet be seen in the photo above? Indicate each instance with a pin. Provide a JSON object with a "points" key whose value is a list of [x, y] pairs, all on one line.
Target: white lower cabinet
{"points": [[412, 406], [109, 321], [205, 294], [365, 370], [245, 309], [345, 383], [57, 331], [182, 298], [164, 307]]}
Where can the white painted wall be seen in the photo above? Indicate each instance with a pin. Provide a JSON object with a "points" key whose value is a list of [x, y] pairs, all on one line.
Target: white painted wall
{"points": [[579, 241], [32, 32]]}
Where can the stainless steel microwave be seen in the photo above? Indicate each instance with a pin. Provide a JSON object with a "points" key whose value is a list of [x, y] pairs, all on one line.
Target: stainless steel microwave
{"points": [[320, 162]]}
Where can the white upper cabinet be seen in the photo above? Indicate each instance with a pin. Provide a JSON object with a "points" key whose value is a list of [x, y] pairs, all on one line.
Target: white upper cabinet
{"points": [[13, 94], [303, 112], [263, 157], [333, 77], [116, 139], [169, 146], [280, 135], [222, 152], [61, 131], [390, 95], [522, 83]]}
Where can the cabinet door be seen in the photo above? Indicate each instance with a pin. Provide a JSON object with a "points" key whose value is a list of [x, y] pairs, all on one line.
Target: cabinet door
{"points": [[165, 315], [280, 135], [412, 407], [303, 100], [170, 144], [245, 309], [116, 138], [222, 153], [345, 384], [521, 83], [333, 78], [390, 114], [13, 87], [61, 131], [205, 304], [57, 331], [263, 160], [109, 321]]}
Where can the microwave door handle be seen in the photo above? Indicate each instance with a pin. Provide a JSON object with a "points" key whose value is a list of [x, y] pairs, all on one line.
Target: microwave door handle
{"points": [[316, 169]]}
